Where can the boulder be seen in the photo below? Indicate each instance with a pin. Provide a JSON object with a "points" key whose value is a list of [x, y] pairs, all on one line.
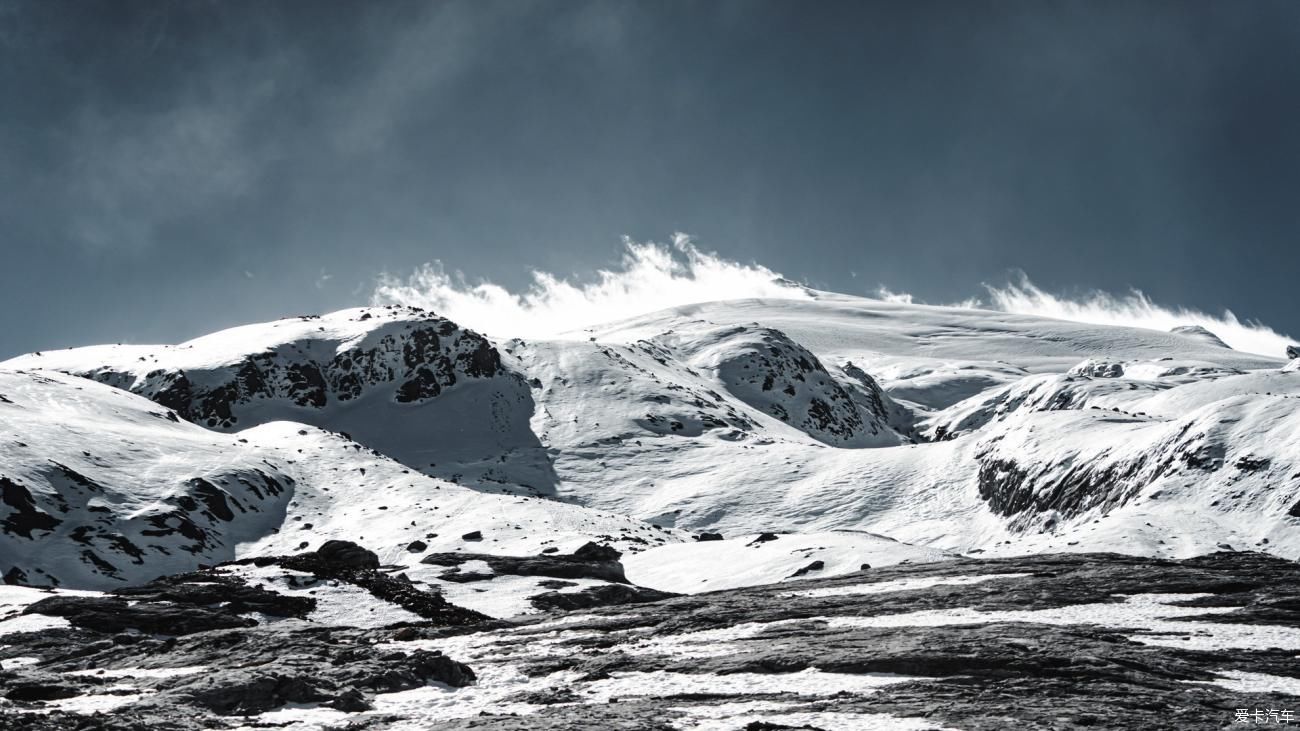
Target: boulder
{"points": [[347, 555]]}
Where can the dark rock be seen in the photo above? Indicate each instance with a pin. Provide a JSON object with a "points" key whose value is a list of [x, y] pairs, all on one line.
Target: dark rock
{"points": [[429, 605], [347, 555], [1293, 351], [764, 538], [595, 552], [406, 634], [709, 537], [591, 561], [207, 589], [39, 687], [597, 596], [113, 615], [466, 577], [814, 566], [416, 546], [1001, 673], [473, 536], [23, 514], [350, 700]]}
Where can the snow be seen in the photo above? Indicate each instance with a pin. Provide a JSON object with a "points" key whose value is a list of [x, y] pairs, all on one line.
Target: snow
{"points": [[13, 599], [1262, 683], [664, 419], [99, 703], [131, 468], [139, 672], [858, 431], [741, 561], [809, 682], [884, 587], [740, 713]]}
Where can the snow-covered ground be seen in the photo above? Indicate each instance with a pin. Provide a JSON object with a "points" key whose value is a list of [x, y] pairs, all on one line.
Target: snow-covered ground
{"points": [[825, 420]]}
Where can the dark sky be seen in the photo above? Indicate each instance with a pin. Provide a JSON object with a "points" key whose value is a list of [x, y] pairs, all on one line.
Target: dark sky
{"points": [[168, 168]]}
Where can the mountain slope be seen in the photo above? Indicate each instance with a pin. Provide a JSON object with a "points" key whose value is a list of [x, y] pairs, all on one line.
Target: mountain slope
{"points": [[101, 488], [368, 372], [953, 429]]}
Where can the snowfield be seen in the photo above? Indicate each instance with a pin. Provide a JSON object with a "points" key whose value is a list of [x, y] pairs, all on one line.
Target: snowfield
{"points": [[833, 512], [825, 420]]}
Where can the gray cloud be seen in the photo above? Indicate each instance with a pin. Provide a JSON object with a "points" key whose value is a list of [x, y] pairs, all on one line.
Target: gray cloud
{"points": [[153, 152]]}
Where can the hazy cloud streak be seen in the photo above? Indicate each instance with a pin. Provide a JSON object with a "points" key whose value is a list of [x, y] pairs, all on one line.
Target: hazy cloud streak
{"points": [[651, 277], [1135, 309]]}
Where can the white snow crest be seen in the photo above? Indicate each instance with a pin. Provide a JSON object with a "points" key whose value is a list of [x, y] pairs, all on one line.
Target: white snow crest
{"points": [[1135, 309], [651, 277]]}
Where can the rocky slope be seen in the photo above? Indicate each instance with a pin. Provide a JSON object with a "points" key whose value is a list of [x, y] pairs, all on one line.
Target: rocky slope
{"points": [[371, 373], [102, 488], [1052, 641]]}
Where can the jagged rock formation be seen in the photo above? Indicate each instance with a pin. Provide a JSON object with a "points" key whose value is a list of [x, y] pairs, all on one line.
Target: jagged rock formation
{"points": [[1038, 481], [365, 372], [770, 372], [310, 362]]}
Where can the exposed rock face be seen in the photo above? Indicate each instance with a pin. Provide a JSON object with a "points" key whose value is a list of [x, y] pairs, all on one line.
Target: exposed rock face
{"points": [[1293, 351], [768, 371], [396, 379], [174, 605], [209, 646], [415, 355], [761, 371], [591, 561], [1098, 369], [1093, 640], [345, 555], [1209, 453], [607, 595], [350, 563], [105, 490]]}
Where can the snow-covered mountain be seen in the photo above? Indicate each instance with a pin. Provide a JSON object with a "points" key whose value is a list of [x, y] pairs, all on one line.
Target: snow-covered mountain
{"points": [[102, 488], [953, 430]]}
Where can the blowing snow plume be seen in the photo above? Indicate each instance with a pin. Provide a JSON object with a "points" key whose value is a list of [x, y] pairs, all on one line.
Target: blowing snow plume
{"points": [[651, 277], [1135, 310]]}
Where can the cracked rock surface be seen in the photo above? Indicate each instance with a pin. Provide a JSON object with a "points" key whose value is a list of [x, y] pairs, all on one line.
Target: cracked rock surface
{"points": [[1044, 642]]}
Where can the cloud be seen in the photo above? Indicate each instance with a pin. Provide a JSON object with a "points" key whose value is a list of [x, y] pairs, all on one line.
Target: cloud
{"points": [[898, 298], [651, 276], [654, 276], [1134, 309], [137, 164]]}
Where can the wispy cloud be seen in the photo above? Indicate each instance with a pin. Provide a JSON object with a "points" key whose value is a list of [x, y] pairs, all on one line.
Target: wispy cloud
{"points": [[654, 276], [1134, 309], [651, 276]]}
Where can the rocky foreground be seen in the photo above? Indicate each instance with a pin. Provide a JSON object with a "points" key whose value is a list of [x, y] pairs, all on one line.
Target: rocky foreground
{"points": [[1050, 642]]}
